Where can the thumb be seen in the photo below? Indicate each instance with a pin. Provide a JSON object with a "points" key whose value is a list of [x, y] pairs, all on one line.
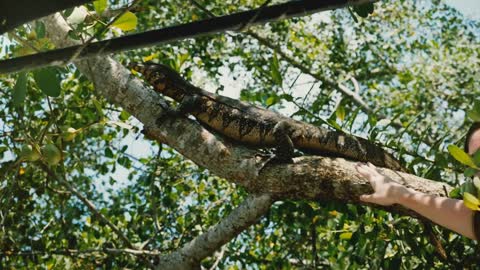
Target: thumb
{"points": [[367, 198]]}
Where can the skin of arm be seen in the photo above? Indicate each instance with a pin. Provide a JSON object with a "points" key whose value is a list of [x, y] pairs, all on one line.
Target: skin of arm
{"points": [[449, 213]]}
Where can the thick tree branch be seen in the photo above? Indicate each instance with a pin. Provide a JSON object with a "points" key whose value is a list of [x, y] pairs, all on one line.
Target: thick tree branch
{"points": [[234, 21], [190, 255], [13, 14]]}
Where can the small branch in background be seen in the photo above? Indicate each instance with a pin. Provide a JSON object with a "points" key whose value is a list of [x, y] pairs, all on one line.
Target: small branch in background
{"points": [[93, 209], [352, 94], [254, 17], [87, 203], [23, 42], [219, 258]]}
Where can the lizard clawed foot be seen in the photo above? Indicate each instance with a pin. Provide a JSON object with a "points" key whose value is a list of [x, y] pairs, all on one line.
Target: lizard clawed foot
{"points": [[167, 114], [281, 159], [275, 159]]}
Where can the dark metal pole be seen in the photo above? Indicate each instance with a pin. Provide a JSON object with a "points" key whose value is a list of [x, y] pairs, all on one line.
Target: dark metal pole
{"points": [[173, 33]]}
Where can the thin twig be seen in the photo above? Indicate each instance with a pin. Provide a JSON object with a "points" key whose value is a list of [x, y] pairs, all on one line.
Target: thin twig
{"points": [[254, 17]]}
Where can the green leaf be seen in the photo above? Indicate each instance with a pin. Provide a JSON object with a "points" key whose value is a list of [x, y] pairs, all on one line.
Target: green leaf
{"points": [[476, 157], [40, 29], [461, 156], [108, 152], [455, 193], [126, 22], [275, 71], [334, 124], [73, 35], [124, 115], [286, 97], [125, 162], [468, 187], [48, 81], [180, 60], [469, 172], [340, 113], [100, 6], [474, 113], [405, 77], [20, 90], [363, 10]]}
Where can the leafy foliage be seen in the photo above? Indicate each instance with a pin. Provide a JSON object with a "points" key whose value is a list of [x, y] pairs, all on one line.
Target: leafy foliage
{"points": [[417, 70]]}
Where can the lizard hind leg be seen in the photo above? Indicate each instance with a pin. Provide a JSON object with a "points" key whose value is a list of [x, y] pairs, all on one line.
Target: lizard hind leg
{"points": [[285, 148]]}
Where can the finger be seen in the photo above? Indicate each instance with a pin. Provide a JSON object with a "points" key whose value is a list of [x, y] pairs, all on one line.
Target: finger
{"points": [[363, 171], [365, 198], [360, 164], [359, 167], [372, 198]]}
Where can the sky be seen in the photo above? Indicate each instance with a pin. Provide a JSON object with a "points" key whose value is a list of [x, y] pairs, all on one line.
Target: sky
{"points": [[469, 8]]}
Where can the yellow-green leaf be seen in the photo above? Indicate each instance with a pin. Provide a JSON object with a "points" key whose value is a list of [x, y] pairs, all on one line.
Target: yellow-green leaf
{"points": [[340, 112], [461, 156], [275, 70], [346, 236], [150, 57], [471, 201], [126, 22], [98, 106], [100, 6], [270, 101]]}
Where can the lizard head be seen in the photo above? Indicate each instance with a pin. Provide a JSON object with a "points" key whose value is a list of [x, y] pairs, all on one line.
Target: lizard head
{"points": [[164, 79], [155, 74]]}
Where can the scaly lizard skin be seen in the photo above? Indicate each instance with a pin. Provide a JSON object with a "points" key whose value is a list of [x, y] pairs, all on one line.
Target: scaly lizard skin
{"points": [[259, 127]]}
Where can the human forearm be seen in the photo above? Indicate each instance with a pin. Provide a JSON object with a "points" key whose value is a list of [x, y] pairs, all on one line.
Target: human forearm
{"points": [[450, 213]]}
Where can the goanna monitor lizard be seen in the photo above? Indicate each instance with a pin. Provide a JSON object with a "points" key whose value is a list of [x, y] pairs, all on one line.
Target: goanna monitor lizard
{"points": [[257, 126]]}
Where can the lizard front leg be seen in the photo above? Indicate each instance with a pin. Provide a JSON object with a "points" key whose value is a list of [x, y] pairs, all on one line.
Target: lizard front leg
{"points": [[284, 146], [186, 106]]}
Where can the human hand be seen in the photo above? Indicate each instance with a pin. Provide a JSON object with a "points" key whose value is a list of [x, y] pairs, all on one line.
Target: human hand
{"points": [[386, 191]]}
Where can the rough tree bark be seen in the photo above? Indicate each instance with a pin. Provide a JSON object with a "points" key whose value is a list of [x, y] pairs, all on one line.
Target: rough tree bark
{"points": [[309, 177]]}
